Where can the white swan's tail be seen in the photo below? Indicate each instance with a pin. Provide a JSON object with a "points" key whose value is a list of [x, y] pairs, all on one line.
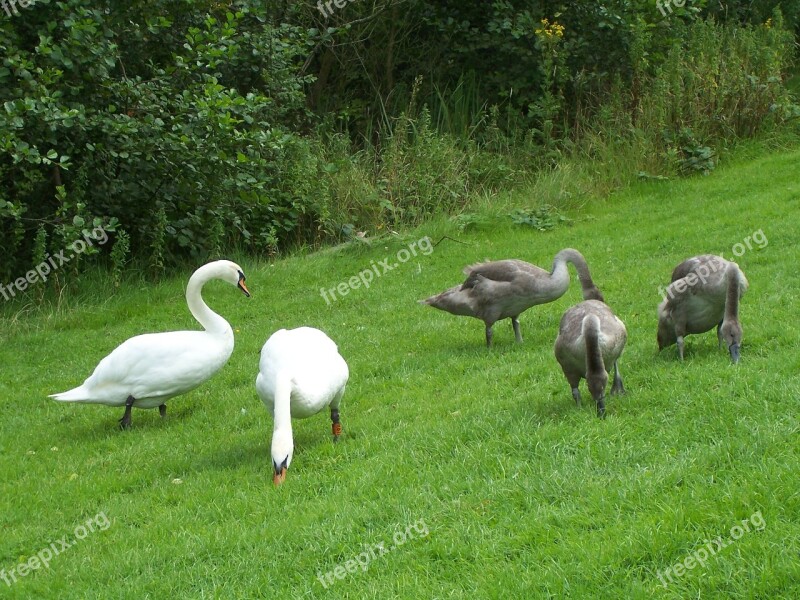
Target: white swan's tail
{"points": [[78, 394]]}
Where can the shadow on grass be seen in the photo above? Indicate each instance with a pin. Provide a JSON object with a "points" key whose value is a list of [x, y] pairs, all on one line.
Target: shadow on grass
{"points": [[102, 422], [255, 453], [697, 350]]}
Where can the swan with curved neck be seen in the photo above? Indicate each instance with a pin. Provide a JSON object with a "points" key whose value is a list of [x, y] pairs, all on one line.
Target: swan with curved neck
{"points": [[504, 289], [147, 370], [705, 292], [300, 373], [590, 339]]}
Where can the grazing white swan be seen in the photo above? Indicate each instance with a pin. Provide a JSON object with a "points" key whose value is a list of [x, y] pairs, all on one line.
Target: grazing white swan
{"points": [[146, 370], [300, 373]]}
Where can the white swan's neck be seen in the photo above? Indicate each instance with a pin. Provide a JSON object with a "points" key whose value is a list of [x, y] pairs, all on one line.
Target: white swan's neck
{"points": [[282, 415], [211, 321]]}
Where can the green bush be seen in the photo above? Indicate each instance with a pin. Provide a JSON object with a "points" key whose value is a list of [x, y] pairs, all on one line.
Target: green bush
{"points": [[718, 83], [191, 125], [193, 139]]}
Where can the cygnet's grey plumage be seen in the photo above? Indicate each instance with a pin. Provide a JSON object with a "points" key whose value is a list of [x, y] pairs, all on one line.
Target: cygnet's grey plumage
{"points": [[704, 293], [590, 340], [504, 289]]}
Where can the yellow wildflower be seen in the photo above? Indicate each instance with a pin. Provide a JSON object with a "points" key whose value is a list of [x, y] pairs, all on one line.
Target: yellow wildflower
{"points": [[550, 30]]}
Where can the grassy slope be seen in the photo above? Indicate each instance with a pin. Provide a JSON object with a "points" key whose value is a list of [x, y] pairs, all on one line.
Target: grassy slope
{"points": [[523, 494]]}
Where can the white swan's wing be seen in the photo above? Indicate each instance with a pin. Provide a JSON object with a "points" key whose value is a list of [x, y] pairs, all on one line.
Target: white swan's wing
{"points": [[153, 366], [311, 360]]}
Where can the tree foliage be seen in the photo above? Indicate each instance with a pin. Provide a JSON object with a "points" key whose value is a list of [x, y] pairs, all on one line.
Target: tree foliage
{"points": [[198, 126]]}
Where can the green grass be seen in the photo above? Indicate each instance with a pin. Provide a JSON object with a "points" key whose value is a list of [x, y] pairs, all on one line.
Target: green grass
{"points": [[522, 494]]}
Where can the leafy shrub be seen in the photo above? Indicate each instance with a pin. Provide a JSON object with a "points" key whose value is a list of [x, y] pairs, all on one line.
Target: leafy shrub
{"points": [[189, 148], [189, 124], [542, 218], [690, 155], [718, 83], [120, 255]]}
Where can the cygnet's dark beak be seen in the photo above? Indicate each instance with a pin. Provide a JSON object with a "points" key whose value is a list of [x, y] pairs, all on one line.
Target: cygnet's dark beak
{"points": [[734, 350]]}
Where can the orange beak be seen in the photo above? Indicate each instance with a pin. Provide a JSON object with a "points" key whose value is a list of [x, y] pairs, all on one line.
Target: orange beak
{"points": [[242, 286], [279, 477]]}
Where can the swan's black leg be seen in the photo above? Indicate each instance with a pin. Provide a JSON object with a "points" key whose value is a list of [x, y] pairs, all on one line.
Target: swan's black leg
{"points": [[125, 421], [515, 324], [336, 426], [162, 410], [489, 336]]}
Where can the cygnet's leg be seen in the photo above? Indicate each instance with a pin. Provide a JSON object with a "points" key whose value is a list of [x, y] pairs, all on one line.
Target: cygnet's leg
{"points": [[573, 379], [617, 387], [489, 335], [680, 331], [515, 324], [680, 347]]}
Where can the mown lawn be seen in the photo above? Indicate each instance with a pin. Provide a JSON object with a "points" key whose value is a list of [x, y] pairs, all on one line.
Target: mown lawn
{"points": [[462, 472]]}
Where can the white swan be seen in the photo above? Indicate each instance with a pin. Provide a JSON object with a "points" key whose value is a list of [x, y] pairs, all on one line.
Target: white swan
{"points": [[146, 370], [300, 373]]}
